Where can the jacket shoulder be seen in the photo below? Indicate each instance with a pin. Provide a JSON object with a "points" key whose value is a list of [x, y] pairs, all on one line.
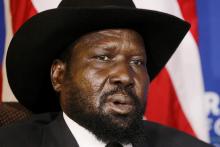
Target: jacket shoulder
{"points": [[161, 136], [24, 133]]}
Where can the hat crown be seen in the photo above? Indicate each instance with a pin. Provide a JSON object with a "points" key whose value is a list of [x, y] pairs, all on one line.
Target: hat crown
{"points": [[96, 3]]}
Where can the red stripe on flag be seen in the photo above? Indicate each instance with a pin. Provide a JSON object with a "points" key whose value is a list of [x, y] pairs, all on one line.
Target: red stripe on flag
{"points": [[188, 9], [21, 10], [163, 105]]}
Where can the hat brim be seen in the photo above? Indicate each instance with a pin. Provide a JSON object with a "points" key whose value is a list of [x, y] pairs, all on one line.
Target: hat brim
{"points": [[43, 38]]}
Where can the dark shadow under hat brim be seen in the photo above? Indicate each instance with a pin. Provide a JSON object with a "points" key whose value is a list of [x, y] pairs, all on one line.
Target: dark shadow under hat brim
{"points": [[44, 37]]}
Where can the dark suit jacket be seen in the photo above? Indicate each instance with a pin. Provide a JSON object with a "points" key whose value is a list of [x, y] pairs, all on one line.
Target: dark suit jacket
{"points": [[50, 130]]}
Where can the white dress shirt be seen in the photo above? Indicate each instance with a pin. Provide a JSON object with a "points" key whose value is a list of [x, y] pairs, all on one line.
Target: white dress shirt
{"points": [[84, 137]]}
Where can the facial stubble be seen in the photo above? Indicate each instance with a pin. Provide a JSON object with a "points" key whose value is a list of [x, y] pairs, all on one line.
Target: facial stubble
{"points": [[106, 127]]}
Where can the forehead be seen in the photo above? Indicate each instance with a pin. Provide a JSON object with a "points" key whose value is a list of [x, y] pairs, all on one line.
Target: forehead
{"points": [[111, 34], [110, 39]]}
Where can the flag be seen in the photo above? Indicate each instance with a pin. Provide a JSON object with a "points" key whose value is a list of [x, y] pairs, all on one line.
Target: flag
{"points": [[209, 34], [2, 39], [177, 95]]}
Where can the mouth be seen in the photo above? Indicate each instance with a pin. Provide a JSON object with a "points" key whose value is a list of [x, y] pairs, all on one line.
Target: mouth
{"points": [[119, 104]]}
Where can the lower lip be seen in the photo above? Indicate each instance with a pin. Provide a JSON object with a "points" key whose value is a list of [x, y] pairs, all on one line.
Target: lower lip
{"points": [[121, 109]]}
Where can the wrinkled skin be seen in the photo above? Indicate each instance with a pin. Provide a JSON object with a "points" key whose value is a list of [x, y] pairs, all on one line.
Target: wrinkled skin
{"points": [[104, 85]]}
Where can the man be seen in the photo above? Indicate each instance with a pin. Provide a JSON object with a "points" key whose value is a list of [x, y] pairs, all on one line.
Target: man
{"points": [[93, 61]]}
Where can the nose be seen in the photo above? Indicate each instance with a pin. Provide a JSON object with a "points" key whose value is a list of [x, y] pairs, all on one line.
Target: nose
{"points": [[121, 75]]}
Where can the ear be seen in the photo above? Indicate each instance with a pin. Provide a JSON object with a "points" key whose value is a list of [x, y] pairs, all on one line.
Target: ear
{"points": [[57, 72]]}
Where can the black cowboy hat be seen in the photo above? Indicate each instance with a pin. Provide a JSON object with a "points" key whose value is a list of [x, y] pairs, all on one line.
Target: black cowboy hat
{"points": [[44, 37]]}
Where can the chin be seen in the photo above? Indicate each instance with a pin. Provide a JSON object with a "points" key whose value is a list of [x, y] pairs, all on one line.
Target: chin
{"points": [[121, 121]]}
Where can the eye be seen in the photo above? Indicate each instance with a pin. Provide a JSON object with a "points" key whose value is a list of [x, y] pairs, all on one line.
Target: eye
{"points": [[138, 62], [102, 58]]}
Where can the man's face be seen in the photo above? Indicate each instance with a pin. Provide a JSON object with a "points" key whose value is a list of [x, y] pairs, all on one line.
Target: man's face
{"points": [[104, 85]]}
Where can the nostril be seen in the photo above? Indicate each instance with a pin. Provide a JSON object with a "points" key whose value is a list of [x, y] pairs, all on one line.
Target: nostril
{"points": [[131, 85], [118, 82], [122, 81]]}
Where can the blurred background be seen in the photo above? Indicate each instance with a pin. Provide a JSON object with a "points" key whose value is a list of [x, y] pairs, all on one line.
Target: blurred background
{"points": [[186, 93]]}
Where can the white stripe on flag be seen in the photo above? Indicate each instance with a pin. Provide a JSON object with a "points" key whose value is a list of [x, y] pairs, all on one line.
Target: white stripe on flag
{"points": [[42, 5], [185, 71], [7, 94]]}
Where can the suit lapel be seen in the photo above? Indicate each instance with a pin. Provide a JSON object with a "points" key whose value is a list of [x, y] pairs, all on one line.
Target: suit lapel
{"points": [[57, 134], [141, 142]]}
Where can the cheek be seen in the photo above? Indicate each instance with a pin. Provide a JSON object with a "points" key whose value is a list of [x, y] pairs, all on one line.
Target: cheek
{"points": [[95, 80], [91, 82], [90, 76], [142, 85], [98, 74]]}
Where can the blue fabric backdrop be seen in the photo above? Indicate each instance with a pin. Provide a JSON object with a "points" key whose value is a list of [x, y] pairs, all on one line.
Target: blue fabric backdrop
{"points": [[209, 44]]}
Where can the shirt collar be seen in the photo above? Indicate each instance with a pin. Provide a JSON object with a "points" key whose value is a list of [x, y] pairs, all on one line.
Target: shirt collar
{"points": [[83, 137]]}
